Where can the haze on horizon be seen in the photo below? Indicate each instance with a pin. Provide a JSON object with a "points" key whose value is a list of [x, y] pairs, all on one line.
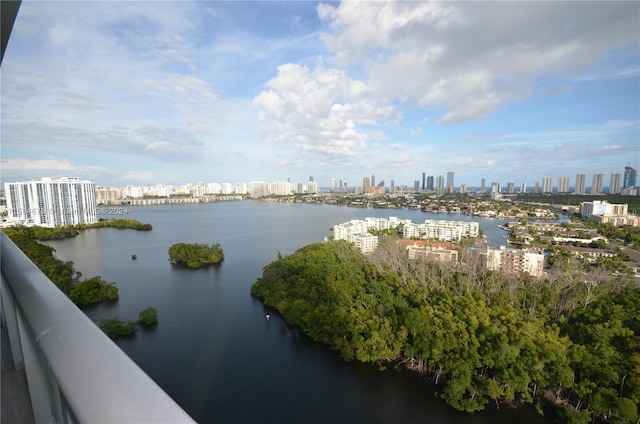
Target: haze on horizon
{"points": [[131, 92]]}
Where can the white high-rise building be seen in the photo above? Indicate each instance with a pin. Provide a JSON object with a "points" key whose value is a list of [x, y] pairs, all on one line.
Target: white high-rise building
{"points": [[614, 183], [547, 185], [563, 185], [52, 202], [596, 186], [581, 183]]}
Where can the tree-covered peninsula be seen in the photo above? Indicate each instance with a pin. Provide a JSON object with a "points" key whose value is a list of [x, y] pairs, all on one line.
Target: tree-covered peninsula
{"points": [[62, 274], [48, 233], [195, 255], [569, 344]]}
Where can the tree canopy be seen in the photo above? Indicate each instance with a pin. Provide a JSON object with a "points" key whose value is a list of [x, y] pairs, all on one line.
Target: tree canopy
{"points": [[195, 255], [483, 336], [62, 274]]}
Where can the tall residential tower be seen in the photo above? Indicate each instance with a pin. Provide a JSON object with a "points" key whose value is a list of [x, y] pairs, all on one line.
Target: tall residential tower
{"points": [[52, 202]]}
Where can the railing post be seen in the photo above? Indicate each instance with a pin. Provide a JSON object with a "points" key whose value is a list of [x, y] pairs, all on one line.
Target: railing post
{"points": [[37, 376], [11, 320]]}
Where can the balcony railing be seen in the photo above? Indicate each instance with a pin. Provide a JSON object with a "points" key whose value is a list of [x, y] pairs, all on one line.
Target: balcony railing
{"points": [[75, 373]]}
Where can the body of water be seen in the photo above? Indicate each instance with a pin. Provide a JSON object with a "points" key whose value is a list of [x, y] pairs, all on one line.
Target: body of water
{"points": [[214, 352]]}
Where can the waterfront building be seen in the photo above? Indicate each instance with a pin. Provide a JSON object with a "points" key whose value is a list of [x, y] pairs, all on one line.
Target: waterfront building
{"points": [[420, 249], [227, 188], [547, 185], [258, 189], [523, 187], [312, 187], [108, 195], [513, 261], [241, 188], [199, 190], [614, 183], [597, 183], [437, 229], [630, 175], [52, 202], [602, 207], [214, 188], [581, 183], [563, 185], [617, 220], [416, 185]]}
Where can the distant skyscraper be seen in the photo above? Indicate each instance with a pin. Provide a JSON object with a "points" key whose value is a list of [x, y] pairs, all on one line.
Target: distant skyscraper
{"points": [[510, 187], [596, 185], [333, 184], [311, 179], [430, 182], [614, 183], [483, 185], [450, 183], [581, 183], [547, 185], [495, 187], [439, 182], [536, 187], [630, 175], [373, 180], [416, 185], [563, 185], [366, 182], [523, 187], [423, 181], [52, 202]]}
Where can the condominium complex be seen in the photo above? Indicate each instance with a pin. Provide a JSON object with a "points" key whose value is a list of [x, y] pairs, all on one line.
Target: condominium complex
{"points": [[52, 202], [602, 207], [513, 261], [437, 229]]}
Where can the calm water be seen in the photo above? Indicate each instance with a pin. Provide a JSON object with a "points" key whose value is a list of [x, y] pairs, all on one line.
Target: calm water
{"points": [[214, 352]]}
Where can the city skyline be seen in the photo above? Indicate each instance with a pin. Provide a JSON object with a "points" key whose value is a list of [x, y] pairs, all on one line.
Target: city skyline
{"points": [[135, 93]]}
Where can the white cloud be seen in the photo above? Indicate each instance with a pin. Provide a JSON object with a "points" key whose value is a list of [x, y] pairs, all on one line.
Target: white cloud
{"points": [[320, 111], [473, 57]]}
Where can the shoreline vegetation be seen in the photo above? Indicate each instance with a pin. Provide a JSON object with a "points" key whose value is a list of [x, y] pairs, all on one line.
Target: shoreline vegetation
{"points": [[80, 291], [195, 255], [567, 343]]}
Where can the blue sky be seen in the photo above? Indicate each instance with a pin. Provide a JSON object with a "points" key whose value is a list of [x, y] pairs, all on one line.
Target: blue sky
{"points": [[146, 92]]}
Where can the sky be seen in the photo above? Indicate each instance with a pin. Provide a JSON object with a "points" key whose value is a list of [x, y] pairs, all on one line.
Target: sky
{"points": [[175, 92]]}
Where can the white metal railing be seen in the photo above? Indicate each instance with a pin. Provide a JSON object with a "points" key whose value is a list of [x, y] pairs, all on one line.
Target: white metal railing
{"points": [[75, 373]]}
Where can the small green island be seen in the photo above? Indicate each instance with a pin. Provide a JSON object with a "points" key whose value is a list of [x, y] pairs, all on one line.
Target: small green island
{"points": [[115, 327], [194, 255]]}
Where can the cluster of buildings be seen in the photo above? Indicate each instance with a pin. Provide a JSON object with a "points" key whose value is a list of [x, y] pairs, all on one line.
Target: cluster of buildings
{"points": [[442, 249], [603, 212], [619, 183], [255, 189]]}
